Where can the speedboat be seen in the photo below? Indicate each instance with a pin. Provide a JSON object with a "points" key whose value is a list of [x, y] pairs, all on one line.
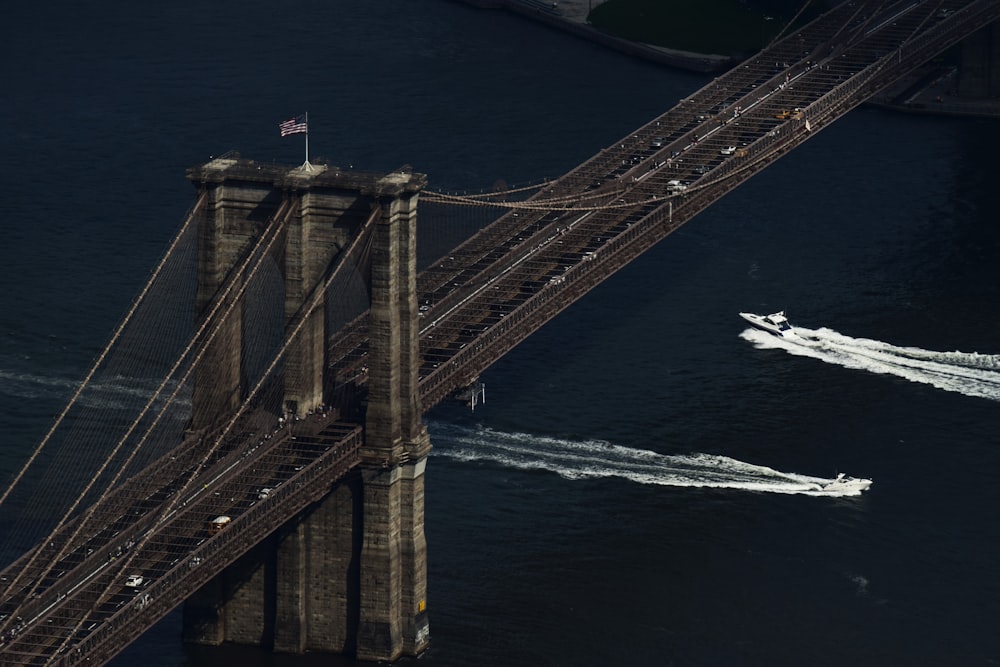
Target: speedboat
{"points": [[846, 484], [775, 323]]}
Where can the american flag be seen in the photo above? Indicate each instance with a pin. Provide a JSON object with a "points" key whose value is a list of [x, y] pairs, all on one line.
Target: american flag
{"points": [[296, 125]]}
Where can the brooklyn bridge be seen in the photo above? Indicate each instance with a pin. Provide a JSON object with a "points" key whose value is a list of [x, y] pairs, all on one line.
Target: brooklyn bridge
{"points": [[271, 479]]}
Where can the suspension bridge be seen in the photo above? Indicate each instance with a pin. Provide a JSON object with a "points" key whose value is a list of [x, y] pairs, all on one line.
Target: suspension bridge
{"points": [[250, 444]]}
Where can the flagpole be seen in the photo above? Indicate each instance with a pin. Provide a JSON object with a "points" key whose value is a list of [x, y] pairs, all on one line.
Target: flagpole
{"points": [[307, 139]]}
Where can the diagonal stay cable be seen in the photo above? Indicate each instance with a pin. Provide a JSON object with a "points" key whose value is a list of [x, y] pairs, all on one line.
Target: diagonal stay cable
{"points": [[789, 24], [107, 349], [274, 230], [299, 321], [97, 503], [262, 250]]}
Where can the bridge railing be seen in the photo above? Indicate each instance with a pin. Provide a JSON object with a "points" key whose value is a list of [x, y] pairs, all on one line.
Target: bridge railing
{"points": [[466, 364], [908, 56], [203, 563]]}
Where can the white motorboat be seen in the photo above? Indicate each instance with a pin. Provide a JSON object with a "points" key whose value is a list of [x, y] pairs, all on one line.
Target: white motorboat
{"points": [[775, 323], [846, 484]]}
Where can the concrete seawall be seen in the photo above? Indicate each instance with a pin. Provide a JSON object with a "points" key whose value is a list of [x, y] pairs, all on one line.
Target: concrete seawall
{"points": [[926, 91], [571, 16]]}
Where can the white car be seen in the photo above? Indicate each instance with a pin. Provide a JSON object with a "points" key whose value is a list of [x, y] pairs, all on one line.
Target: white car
{"points": [[728, 150], [134, 581]]}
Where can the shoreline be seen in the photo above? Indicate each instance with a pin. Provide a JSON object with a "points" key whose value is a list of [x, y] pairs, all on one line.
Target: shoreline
{"points": [[930, 90], [571, 16]]}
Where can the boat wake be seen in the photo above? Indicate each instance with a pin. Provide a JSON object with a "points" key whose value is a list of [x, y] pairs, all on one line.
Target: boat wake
{"points": [[966, 373], [117, 393], [593, 459]]}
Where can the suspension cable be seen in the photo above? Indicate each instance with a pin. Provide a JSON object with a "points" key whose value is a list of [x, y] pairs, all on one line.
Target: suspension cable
{"points": [[220, 438], [104, 353], [281, 216]]}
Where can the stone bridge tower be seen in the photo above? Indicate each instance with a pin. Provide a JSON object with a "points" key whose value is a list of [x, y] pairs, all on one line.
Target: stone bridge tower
{"points": [[348, 575]]}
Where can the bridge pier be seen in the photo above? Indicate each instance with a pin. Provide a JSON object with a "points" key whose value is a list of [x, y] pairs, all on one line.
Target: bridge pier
{"points": [[316, 589], [393, 614], [349, 574], [244, 617]]}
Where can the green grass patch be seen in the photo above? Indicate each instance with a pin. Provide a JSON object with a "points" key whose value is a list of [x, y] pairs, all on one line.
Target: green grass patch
{"points": [[724, 27]]}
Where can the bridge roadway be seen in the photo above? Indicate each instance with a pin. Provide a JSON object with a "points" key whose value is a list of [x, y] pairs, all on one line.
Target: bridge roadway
{"points": [[263, 474], [501, 285], [71, 605]]}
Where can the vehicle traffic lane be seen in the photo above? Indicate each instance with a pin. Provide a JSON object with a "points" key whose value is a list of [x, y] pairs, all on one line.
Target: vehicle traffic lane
{"points": [[174, 543]]}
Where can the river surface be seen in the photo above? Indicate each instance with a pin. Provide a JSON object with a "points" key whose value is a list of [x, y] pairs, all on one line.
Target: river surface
{"points": [[632, 492]]}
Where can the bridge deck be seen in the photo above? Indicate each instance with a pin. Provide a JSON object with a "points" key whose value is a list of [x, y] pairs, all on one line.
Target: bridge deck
{"points": [[498, 287], [71, 604], [86, 596]]}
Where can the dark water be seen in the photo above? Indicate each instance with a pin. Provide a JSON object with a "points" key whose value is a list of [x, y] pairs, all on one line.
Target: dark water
{"points": [[564, 520]]}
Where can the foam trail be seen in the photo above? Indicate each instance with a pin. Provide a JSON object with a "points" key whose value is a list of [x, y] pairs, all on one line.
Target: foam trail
{"points": [[100, 394], [967, 373], [590, 459]]}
